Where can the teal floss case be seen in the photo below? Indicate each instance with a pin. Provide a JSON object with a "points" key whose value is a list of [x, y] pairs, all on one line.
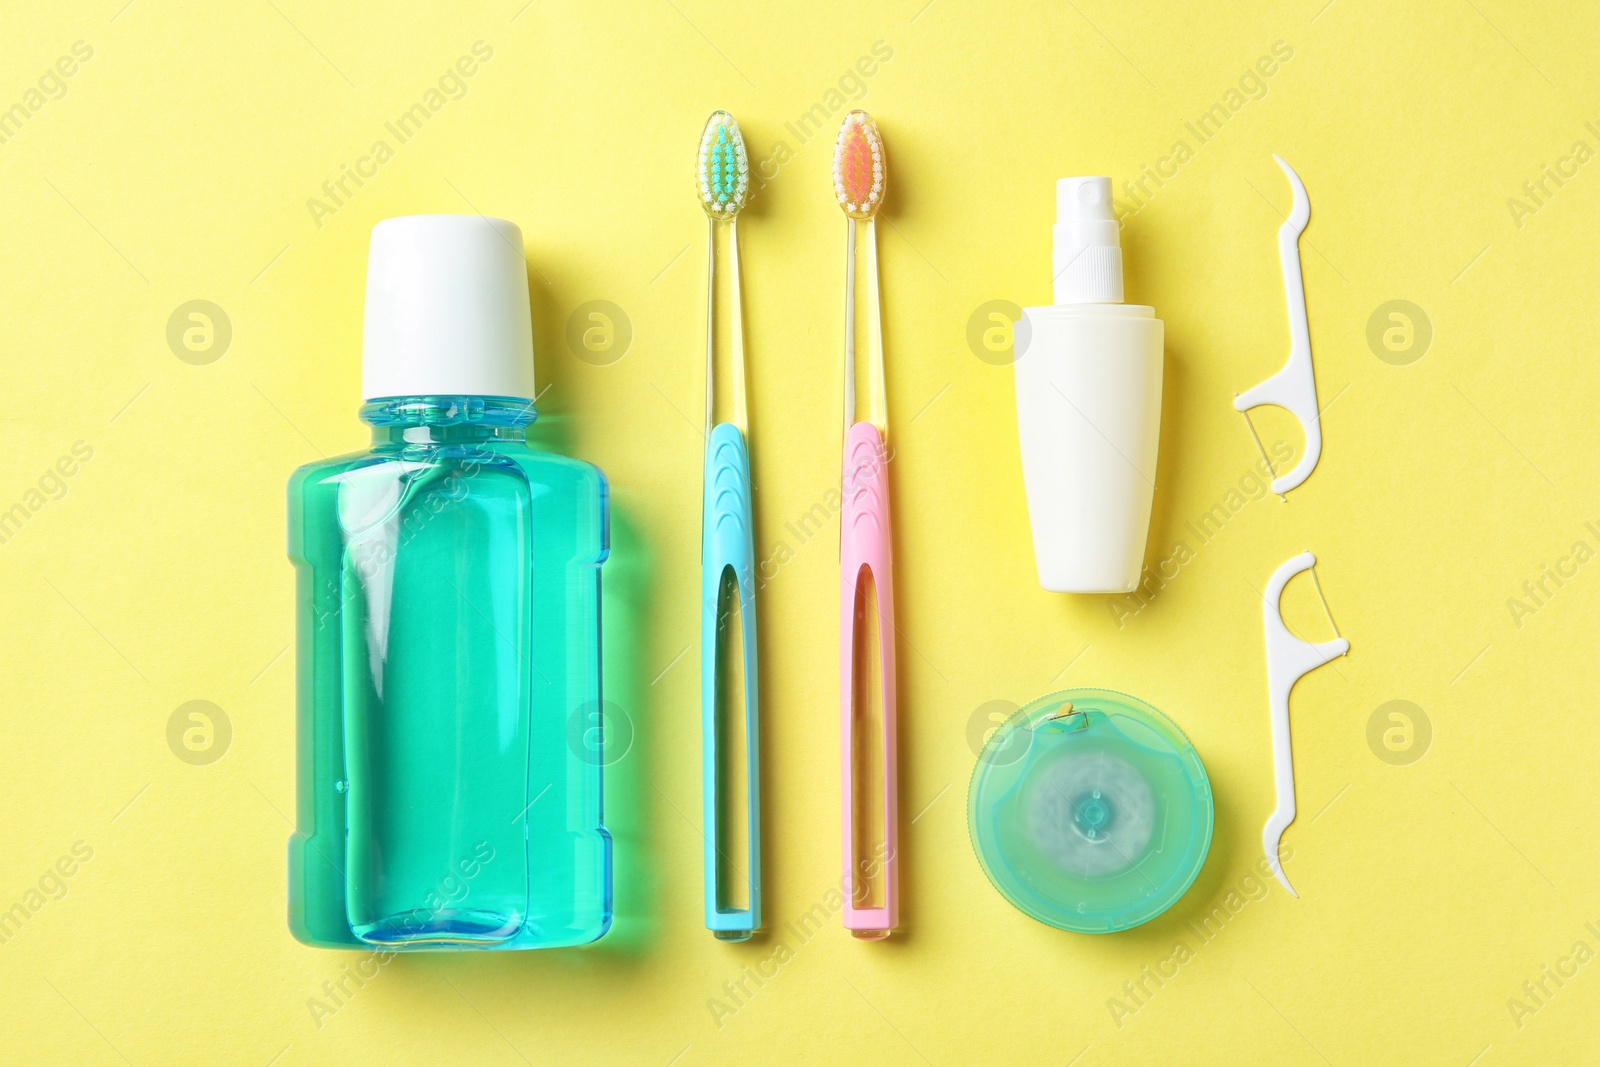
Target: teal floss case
{"points": [[448, 629], [1090, 811]]}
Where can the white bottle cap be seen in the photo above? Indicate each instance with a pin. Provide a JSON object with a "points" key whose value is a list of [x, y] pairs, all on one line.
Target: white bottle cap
{"points": [[1087, 261], [447, 309]]}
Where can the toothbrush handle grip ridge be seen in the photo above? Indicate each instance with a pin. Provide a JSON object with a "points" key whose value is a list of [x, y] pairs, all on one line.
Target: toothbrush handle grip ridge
{"points": [[866, 552], [728, 544]]}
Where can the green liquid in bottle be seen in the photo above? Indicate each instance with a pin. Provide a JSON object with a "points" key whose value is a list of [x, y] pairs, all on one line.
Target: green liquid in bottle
{"points": [[449, 681]]}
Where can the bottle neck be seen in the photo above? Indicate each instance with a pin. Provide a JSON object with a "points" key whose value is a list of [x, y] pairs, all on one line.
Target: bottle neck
{"points": [[427, 420]]}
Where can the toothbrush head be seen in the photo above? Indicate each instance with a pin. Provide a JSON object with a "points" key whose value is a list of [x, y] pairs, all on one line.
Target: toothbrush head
{"points": [[860, 167], [722, 169]]}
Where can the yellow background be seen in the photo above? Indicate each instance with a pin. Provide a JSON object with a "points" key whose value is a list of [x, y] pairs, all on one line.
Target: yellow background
{"points": [[177, 166]]}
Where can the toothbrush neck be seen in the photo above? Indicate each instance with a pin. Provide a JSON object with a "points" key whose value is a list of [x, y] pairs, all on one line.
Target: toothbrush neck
{"points": [[425, 420]]}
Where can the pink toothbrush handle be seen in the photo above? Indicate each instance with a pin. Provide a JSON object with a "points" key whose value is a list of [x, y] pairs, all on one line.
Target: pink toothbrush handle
{"points": [[864, 544]]}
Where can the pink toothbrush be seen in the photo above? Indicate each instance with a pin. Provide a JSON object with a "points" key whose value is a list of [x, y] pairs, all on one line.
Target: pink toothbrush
{"points": [[871, 864]]}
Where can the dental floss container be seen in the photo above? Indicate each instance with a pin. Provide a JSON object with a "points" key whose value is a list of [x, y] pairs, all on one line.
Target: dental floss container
{"points": [[1088, 375], [1090, 811]]}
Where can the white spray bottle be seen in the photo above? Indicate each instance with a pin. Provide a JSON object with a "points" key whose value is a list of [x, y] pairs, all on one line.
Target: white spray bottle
{"points": [[1088, 405]]}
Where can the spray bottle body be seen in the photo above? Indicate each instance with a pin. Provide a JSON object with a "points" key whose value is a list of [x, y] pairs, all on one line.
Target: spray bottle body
{"points": [[1089, 416]]}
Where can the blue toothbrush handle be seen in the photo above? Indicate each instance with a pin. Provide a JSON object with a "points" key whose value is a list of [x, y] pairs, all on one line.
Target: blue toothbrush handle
{"points": [[727, 542]]}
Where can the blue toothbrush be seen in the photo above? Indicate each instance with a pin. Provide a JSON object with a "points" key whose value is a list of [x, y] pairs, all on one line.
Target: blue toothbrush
{"points": [[727, 549]]}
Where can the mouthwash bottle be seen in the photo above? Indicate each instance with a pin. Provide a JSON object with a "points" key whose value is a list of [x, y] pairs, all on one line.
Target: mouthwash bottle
{"points": [[448, 628]]}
